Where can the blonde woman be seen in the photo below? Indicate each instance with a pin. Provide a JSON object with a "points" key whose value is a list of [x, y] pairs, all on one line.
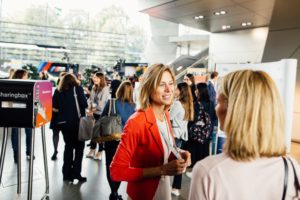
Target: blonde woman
{"points": [[181, 112], [145, 157], [97, 100], [250, 112]]}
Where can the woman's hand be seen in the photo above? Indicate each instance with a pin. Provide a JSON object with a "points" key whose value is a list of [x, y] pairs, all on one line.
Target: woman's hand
{"points": [[186, 156], [89, 113], [86, 90], [174, 167]]}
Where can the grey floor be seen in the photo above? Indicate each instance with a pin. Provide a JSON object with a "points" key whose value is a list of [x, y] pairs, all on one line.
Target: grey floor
{"points": [[96, 187]]}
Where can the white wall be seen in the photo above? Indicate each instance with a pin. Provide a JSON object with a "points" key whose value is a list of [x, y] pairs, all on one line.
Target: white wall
{"points": [[159, 49], [237, 46]]}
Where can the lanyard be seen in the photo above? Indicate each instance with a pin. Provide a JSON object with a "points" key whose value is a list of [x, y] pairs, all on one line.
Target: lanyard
{"points": [[173, 147]]}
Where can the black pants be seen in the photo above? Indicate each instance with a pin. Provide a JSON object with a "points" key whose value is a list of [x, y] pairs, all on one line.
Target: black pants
{"points": [[198, 151], [55, 138], [94, 144], [110, 150], [178, 178], [72, 164]]}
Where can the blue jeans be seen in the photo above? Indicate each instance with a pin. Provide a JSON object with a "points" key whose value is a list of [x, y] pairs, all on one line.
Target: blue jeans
{"points": [[14, 140]]}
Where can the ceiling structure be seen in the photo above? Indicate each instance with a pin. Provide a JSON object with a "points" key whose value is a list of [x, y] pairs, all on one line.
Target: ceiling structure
{"points": [[256, 12]]}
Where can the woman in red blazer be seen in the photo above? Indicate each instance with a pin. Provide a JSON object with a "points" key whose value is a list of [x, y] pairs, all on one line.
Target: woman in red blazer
{"points": [[147, 154]]}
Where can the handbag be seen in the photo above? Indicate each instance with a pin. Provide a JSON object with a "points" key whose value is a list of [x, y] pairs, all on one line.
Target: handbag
{"points": [[86, 123], [286, 172], [108, 127]]}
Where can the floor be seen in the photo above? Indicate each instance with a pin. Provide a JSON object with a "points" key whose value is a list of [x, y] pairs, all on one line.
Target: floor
{"points": [[96, 187]]}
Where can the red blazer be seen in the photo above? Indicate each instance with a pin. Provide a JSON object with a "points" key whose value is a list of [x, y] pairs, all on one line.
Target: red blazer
{"points": [[140, 147]]}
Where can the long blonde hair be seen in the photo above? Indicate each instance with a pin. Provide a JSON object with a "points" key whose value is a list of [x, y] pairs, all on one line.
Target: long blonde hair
{"points": [[254, 122], [150, 82]]}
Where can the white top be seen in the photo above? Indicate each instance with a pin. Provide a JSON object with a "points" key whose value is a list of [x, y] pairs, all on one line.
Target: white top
{"points": [[220, 177], [164, 188], [179, 125]]}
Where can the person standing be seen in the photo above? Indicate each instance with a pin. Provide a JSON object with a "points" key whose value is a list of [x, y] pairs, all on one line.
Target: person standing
{"points": [[98, 98], [54, 127], [199, 146], [190, 80], [20, 74], [146, 155], [252, 166], [181, 111], [212, 87], [124, 108], [114, 85], [65, 105]]}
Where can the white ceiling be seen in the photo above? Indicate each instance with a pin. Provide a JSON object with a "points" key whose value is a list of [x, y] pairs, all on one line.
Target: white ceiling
{"points": [[183, 12]]}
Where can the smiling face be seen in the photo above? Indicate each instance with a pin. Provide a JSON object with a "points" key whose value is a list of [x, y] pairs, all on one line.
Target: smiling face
{"points": [[96, 80], [221, 109], [177, 92], [187, 80], [164, 93]]}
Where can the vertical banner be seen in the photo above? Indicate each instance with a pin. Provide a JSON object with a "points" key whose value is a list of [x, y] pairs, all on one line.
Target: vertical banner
{"points": [[42, 103]]}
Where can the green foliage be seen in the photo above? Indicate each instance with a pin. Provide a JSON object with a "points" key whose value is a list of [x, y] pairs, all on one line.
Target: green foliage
{"points": [[87, 73], [32, 71]]}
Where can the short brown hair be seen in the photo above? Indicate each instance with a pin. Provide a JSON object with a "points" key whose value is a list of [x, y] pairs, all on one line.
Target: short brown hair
{"points": [[150, 81], [214, 74]]}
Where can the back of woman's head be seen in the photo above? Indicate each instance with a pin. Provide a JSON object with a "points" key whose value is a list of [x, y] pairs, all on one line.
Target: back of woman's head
{"points": [[186, 99], [202, 92], [254, 122], [67, 81], [150, 81], [19, 74], [125, 92]]}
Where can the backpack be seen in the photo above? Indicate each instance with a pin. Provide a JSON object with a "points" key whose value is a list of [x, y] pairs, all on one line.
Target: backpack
{"points": [[200, 128]]}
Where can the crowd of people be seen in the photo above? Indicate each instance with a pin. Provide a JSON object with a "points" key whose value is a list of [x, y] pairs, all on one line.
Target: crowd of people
{"points": [[167, 132]]}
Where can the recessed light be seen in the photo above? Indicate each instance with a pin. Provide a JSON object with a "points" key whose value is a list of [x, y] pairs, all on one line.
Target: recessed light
{"points": [[221, 12], [179, 68], [246, 23], [225, 27], [199, 17]]}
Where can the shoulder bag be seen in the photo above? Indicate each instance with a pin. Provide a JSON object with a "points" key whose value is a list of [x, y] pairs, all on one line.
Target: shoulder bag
{"points": [[86, 123], [109, 127], [286, 173]]}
